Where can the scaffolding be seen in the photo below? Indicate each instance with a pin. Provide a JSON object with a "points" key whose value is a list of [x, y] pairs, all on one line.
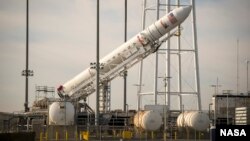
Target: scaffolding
{"points": [[174, 54]]}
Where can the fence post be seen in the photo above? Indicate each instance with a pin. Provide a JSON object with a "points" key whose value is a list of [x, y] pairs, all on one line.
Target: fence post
{"points": [[175, 135], [46, 135], [152, 134], [56, 136], [41, 136], [66, 135], [76, 136]]}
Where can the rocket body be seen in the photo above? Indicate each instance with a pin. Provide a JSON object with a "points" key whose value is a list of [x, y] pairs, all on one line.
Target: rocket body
{"points": [[143, 39]]}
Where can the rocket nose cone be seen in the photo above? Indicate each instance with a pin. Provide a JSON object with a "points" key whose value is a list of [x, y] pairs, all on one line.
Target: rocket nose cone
{"points": [[183, 12], [187, 9]]}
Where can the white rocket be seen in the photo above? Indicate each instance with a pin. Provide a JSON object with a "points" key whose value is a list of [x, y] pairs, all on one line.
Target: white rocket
{"points": [[125, 56]]}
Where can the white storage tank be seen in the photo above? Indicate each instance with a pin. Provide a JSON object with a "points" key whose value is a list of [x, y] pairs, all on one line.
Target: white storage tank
{"points": [[194, 119], [148, 120], [61, 113]]}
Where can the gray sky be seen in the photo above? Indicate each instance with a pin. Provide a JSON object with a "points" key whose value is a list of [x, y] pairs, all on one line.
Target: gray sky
{"points": [[62, 44]]}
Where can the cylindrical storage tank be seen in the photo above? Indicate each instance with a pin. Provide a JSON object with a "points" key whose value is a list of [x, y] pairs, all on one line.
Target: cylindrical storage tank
{"points": [[148, 120], [193, 119], [61, 113]]}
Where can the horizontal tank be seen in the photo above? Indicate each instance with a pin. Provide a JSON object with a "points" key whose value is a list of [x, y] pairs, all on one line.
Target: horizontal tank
{"points": [[61, 113], [148, 120], [194, 119]]}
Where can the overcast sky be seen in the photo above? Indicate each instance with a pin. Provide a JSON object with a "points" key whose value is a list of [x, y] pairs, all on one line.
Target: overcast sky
{"points": [[63, 42]]}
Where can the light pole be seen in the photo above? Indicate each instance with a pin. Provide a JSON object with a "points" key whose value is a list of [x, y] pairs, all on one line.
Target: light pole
{"points": [[237, 63], [97, 66], [127, 106], [227, 110], [165, 78], [216, 87], [247, 76], [27, 72], [125, 73]]}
